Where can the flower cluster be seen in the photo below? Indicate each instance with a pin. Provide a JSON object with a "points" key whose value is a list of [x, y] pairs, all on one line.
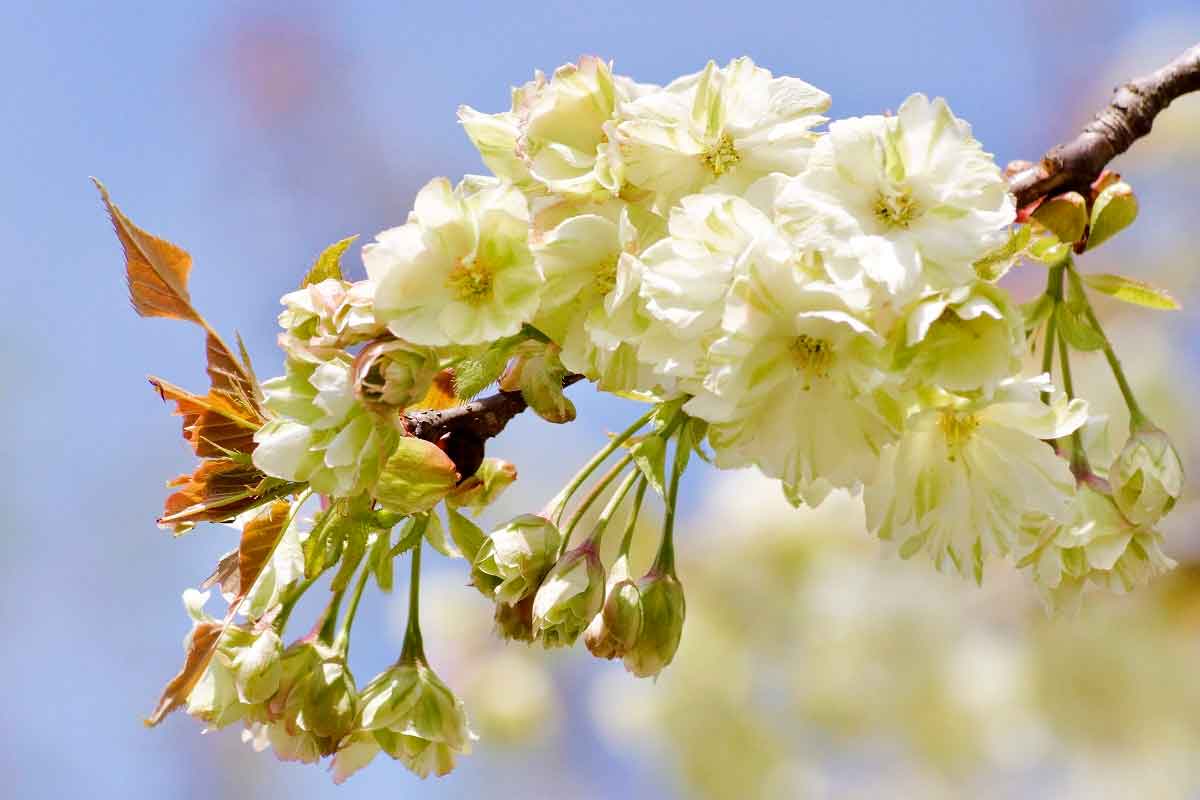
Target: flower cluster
{"points": [[819, 303]]}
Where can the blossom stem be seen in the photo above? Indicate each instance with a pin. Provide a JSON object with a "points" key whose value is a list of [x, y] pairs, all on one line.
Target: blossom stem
{"points": [[1079, 459], [664, 562], [285, 610], [414, 645], [343, 637], [591, 497], [631, 525], [557, 506], [328, 620], [610, 508], [1137, 419]]}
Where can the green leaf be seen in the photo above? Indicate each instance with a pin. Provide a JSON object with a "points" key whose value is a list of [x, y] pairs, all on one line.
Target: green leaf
{"points": [[1077, 329], [380, 559], [1064, 215], [650, 456], [435, 534], [329, 263], [1049, 250], [1114, 210], [415, 478], [352, 555], [466, 534], [1132, 291], [995, 264], [473, 375], [1037, 311]]}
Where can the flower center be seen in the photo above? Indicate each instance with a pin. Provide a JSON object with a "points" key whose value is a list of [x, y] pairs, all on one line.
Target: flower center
{"points": [[812, 357], [958, 428], [471, 282], [896, 209], [722, 156], [605, 279]]}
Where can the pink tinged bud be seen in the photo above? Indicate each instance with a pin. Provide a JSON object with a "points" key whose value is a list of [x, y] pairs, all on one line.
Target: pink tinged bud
{"points": [[662, 625]]}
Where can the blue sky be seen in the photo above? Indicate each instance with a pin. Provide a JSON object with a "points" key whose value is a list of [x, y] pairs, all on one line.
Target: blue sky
{"points": [[254, 134]]}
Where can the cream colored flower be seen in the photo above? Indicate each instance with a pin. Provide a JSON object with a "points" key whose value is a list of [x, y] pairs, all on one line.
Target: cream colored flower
{"points": [[460, 271]]}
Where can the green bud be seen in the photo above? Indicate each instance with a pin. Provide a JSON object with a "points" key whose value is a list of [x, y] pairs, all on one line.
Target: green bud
{"points": [[416, 718], [662, 625], [324, 701], [297, 661], [257, 668], [515, 558], [614, 631], [1147, 477], [570, 596]]}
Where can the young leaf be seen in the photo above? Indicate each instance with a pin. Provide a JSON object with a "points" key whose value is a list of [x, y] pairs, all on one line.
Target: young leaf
{"points": [[466, 534], [259, 537], [1036, 311], [380, 559], [219, 489], [650, 454], [1064, 215], [473, 375], [329, 263], [157, 273], [201, 645], [1077, 329], [214, 425], [415, 478], [1115, 209], [435, 534], [1132, 291]]}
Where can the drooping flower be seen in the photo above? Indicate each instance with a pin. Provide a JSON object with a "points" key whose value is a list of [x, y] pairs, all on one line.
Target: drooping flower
{"points": [[410, 714], [1096, 545], [907, 203], [569, 597], [615, 630], [725, 126], [459, 271], [515, 558], [663, 610], [965, 475], [1147, 476], [321, 433]]}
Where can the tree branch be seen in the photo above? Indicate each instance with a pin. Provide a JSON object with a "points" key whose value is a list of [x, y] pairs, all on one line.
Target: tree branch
{"points": [[464, 429], [1127, 118]]}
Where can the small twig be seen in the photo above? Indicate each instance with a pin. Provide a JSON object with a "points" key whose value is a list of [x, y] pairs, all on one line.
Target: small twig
{"points": [[1127, 118], [483, 418]]}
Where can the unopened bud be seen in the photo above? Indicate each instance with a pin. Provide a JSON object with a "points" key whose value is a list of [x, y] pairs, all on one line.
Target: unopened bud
{"points": [[257, 668], [1147, 477], [662, 625], [571, 594], [614, 631], [515, 558]]}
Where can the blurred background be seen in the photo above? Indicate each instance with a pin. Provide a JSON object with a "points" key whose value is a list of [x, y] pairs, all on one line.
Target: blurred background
{"points": [[256, 133]]}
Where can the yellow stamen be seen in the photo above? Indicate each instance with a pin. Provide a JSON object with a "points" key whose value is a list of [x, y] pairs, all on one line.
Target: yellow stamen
{"points": [[811, 356], [958, 428], [896, 209], [471, 281], [722, 156]]}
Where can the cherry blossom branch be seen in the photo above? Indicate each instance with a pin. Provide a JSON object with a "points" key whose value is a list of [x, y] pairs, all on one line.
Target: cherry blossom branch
{"points": [[484, 417], [1127, 118], [1073, 165]]}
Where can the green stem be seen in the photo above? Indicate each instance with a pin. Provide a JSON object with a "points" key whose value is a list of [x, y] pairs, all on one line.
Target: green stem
{"points": [[1079, 459], [343, 638], [328, 620], [664, 562], [556, 507], [289, 603], [414, 645], [1137, 419], [610, 508], [591, 497], [631, 525]]}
